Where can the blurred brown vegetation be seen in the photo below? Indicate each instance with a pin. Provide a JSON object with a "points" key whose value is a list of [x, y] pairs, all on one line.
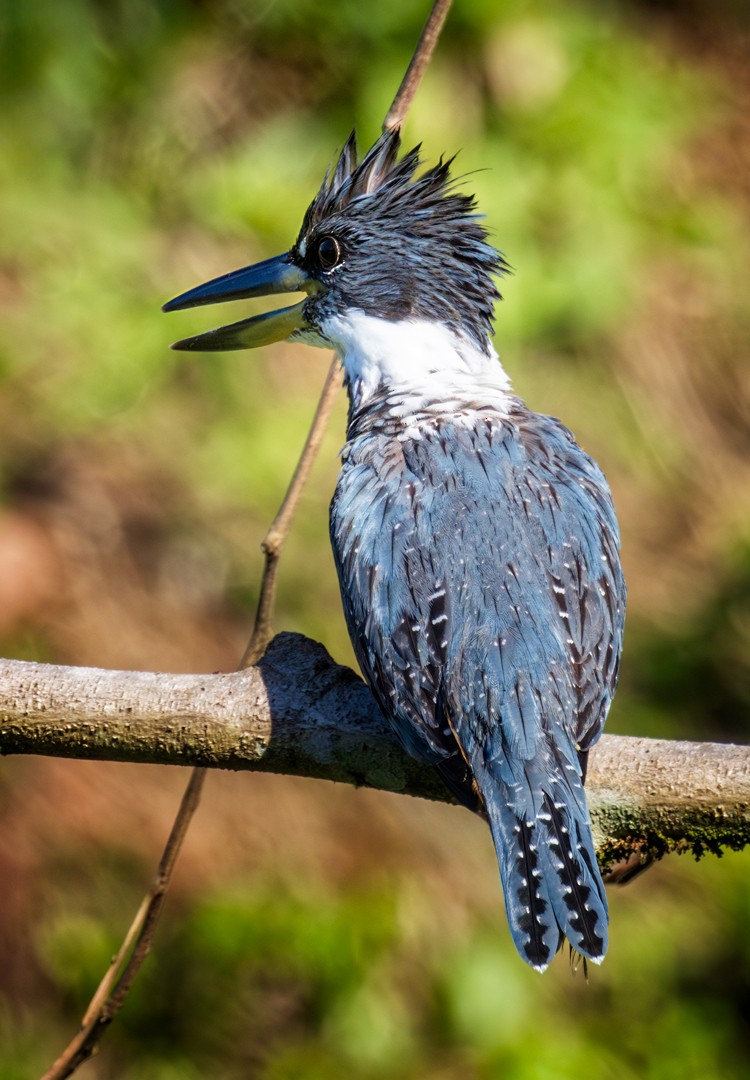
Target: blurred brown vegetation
{"points": [[314, 930]]}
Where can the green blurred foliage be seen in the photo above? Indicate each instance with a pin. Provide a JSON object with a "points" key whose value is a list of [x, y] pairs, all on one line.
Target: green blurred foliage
{"points": [[259, 981], [148, 145]]}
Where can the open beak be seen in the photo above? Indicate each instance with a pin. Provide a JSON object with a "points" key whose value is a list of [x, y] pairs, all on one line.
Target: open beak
{"points": [[266, 278]]}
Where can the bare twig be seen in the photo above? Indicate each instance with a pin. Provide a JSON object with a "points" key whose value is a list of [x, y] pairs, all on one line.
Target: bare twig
{"points": [[114, 987], [112, 991], [279, 529], [277, 533], [418, 65]]}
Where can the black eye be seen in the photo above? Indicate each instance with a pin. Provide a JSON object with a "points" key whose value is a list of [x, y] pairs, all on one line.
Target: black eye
{"points": [[329, 252]]}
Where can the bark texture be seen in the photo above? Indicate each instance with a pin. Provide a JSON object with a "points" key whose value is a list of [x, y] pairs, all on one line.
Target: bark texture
{"points": [[297, 712]]}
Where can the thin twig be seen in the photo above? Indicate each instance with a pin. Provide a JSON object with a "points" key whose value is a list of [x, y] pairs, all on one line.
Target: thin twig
{"points": [[112, 991], [279, 529], [114, 987], [418, 65], [277, 533]]}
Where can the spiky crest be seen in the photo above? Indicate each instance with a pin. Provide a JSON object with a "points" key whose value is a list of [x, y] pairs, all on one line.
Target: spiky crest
{"points": [[420, 247]]}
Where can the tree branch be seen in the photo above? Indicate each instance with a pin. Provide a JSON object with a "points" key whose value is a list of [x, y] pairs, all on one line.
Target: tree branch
{"points": [[299, 713]]}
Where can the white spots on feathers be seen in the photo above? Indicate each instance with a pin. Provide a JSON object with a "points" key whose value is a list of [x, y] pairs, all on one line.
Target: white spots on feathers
{"points": [[477, 596]]}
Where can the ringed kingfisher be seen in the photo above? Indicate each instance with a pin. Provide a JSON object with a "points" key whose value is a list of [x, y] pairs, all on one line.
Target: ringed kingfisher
{"points": [[476, 543]]}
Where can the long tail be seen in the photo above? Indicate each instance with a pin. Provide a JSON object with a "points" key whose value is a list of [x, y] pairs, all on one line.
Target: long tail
{"points": [[551, 881]]}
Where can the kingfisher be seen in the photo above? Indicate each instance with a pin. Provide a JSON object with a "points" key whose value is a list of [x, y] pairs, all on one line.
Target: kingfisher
{"points": [[476, 543]]}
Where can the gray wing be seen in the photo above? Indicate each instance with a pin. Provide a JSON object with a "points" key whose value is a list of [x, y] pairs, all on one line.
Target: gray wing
{"points": [[485, 560], [481, 581]]}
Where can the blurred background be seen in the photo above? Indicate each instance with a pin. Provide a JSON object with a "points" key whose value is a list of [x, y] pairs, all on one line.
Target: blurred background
{"points": [[315, 931]]}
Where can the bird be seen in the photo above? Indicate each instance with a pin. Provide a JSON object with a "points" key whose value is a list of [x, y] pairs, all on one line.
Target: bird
{"points": [[476, 543]]}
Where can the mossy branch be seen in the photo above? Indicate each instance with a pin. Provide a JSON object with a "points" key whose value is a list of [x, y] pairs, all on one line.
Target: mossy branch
{"points": [[299, 713]]}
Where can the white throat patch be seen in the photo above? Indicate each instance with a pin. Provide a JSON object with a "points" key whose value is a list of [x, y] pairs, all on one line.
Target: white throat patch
{"points": [[427, 367]]}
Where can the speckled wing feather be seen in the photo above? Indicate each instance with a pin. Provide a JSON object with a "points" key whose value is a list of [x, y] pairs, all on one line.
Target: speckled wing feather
{"points": [[482, 588]]}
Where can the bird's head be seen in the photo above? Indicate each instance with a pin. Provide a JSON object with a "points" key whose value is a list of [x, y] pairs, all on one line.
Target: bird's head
{"points": [[378, 240]]}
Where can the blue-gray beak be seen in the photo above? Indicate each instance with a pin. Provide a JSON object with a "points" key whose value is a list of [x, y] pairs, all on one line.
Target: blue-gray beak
{"points": [[266, 278]]}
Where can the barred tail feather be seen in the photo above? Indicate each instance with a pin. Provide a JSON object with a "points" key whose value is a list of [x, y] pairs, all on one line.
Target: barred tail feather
{"points": [[575, 884], [551, 881], [528, 904]]}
